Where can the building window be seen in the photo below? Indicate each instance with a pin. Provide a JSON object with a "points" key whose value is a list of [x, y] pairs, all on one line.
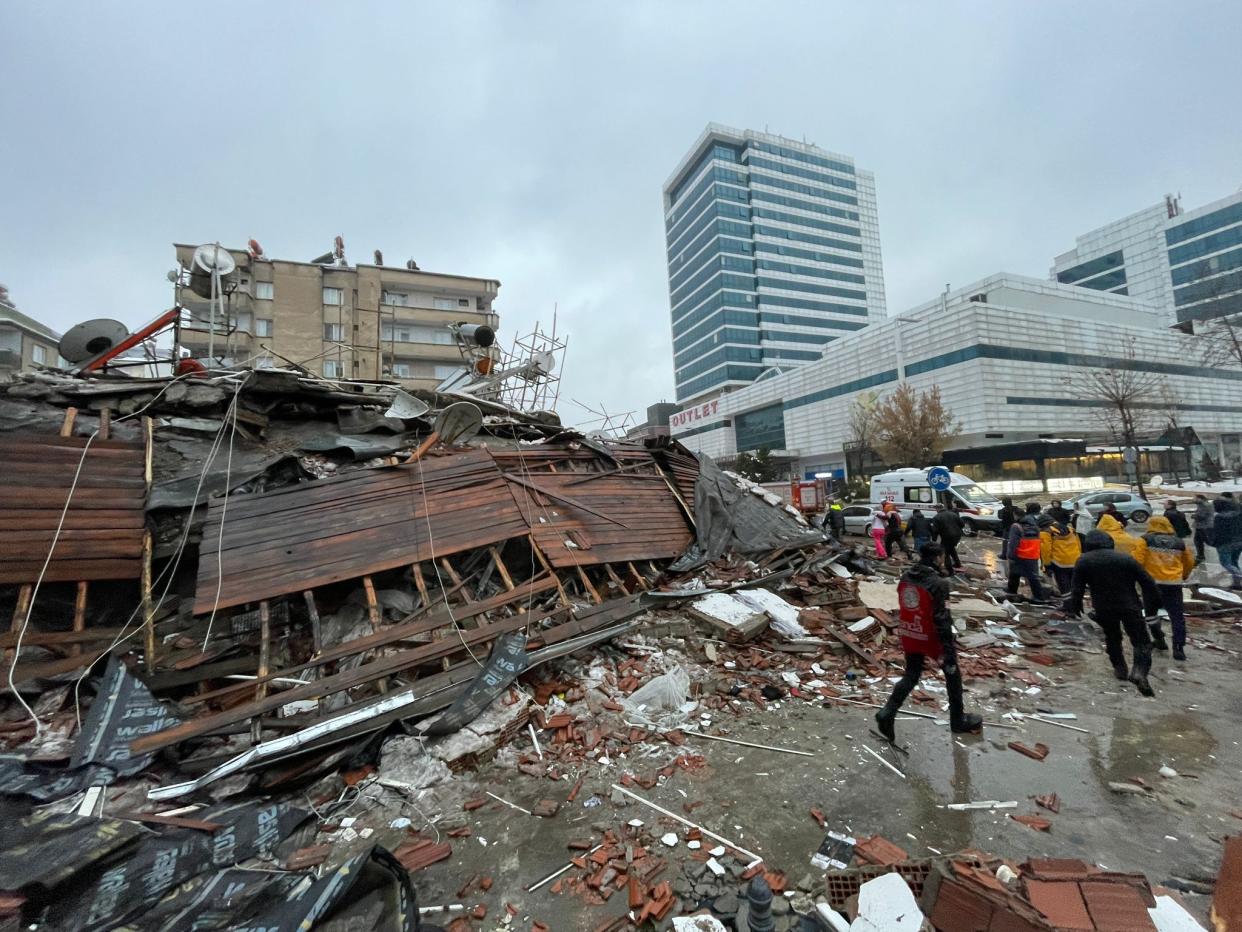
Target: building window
{"points": [[263, 291], [445, 304], [443, 372], [263, 327], [401, 370], [396, 298], [463, 302], [245, 321], [334, 296], [333, 332], [763, 428], [263, 362], [38, 354], [410, 333], [332, 369]]}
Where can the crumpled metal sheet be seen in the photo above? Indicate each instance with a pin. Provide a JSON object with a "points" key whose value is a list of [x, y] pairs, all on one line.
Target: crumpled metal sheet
{"points": [[731, 518]]}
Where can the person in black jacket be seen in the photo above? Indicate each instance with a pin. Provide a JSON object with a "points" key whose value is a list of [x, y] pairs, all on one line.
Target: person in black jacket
{"points": [[1008, 516], [893, 536], [920, 527], [927, 630], [1112, 576], [949, 529], [1181, 527], [1058, 512]]}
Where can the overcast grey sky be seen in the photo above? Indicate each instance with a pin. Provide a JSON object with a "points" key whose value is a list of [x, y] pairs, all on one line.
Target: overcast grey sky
{"points": [[529, 141]]}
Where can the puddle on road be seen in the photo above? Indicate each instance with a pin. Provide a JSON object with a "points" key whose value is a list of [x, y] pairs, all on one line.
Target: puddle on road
{"points": [[1137, 748]]}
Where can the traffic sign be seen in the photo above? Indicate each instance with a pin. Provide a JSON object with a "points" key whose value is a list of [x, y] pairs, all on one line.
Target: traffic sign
{"points": [[939, 478]]}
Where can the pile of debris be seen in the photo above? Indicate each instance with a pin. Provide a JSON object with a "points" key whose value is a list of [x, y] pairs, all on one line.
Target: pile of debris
{"points": [[273, 636]]}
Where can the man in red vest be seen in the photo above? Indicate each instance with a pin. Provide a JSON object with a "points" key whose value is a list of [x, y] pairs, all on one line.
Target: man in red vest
{"points": [[927, 631]]}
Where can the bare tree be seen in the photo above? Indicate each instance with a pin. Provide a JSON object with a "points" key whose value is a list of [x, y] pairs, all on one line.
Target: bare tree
{"points": [[1127, 403], [1221, 336], [913, 427], [864, 419]]}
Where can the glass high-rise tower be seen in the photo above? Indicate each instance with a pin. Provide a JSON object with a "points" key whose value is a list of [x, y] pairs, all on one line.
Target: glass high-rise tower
{"points": [[773, 251]]}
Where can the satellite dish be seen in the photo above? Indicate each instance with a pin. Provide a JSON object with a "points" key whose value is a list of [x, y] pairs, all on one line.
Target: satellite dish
{"points": [[405, 406], [459, 421], [90, 338], [209, 258], [213, 258], [544, 362]]}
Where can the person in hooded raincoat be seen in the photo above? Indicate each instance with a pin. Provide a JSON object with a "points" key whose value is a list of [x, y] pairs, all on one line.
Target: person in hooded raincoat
{"points": [[1059, 549], [1122, 542], [1168, 561]]}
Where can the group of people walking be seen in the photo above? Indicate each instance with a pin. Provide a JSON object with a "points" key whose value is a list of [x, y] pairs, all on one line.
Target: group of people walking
{"points": [[1134, 581], [945, 526]]}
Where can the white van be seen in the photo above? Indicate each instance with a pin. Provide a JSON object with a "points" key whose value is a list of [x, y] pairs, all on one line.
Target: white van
{"points": [[908, 489]]}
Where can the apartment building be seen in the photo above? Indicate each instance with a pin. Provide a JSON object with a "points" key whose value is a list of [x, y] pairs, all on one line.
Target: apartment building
{"points": [[338, 320], [25, 343]]}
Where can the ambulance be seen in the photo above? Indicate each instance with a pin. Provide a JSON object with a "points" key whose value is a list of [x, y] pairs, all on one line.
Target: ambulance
{"points": [[908, 489]]}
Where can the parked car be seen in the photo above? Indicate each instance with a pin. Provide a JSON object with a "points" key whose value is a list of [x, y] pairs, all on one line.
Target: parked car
{"points": [[858, 518], [1134, 507]]}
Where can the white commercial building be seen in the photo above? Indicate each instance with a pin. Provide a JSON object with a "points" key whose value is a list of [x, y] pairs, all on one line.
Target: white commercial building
{"points": [[1006, 353], [773, 251], [1187, 263]]}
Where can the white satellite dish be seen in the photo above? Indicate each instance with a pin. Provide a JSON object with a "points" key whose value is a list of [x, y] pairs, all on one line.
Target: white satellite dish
{"points": [[211, 257], [90, 338], [543, 362], [209, 260]]}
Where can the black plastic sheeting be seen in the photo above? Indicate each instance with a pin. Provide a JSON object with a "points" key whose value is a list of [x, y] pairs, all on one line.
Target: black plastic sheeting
{"points": [[123, 709], [506, 663], [729, 518], [44, 849], [369, 891], [139, 875]]}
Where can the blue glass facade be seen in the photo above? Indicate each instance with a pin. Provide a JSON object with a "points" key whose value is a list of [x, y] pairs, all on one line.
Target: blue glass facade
{"points": [[753, 225], [1205, 259]]}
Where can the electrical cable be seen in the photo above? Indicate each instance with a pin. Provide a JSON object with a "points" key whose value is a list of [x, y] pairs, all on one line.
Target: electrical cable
{"points": [[17, 648]]}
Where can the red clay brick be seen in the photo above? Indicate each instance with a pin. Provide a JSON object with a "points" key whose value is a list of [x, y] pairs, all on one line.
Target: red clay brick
{"points": [[1060, 902], [1116, 907]]}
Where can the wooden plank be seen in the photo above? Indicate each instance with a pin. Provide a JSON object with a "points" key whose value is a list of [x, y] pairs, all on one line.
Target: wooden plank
{"points": [[105, 423], [559, 496], [21, 613], [590, 586], [612, 574], [79, 614], [148, 608], [12, 571], [66, 426], [399, 632], [265, 661], [330, 685], [373, 609], [60, 638]]}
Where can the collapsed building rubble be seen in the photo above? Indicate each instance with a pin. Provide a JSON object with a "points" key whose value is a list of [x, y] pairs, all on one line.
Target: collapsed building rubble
{"points": [[262, 620]]}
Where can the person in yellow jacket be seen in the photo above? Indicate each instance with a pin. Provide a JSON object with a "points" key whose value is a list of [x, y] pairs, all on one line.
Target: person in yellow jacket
{"points": [[1168, 561], [1059, 550], [1122, 542]]}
